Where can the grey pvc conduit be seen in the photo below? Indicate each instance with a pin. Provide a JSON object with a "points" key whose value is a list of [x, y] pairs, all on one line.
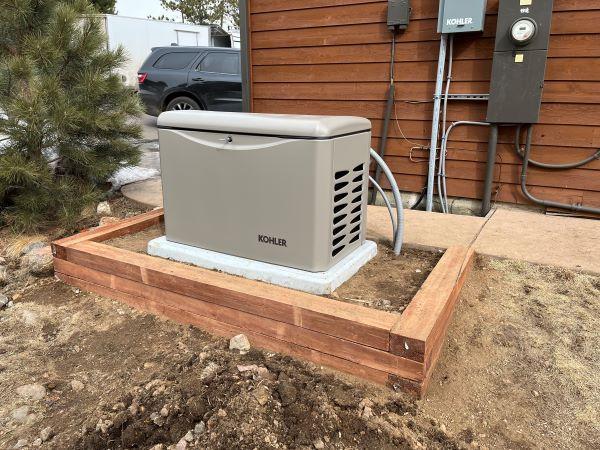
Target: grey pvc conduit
{"points": [[399, 232], [386, 201], [526, 161], [542, 165]]}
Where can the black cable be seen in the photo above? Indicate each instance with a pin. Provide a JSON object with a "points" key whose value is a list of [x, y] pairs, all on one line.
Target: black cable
{"points": [[421, 197], [388, 115]]}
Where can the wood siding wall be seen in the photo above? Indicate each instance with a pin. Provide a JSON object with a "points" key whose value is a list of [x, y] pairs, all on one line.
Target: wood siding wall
{"points": [[332, 57]]}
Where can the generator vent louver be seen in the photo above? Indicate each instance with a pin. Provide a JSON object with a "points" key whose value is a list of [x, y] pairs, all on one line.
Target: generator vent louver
{"points": [[347, 208]]}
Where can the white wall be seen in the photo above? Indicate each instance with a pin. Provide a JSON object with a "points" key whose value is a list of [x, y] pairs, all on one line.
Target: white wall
{"points": [[139, 36]]}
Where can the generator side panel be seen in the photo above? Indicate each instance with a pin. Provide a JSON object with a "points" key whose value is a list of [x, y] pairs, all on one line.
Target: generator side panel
{"points": [[349, 197]]}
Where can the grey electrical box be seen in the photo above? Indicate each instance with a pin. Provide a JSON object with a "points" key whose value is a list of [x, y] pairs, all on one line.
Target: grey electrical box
{"points": [[461, 16], [519, 64], [283, 189], [398, 14]]}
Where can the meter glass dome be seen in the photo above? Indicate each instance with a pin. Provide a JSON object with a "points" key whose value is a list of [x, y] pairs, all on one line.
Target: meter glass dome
{"points": [[523, 31]]}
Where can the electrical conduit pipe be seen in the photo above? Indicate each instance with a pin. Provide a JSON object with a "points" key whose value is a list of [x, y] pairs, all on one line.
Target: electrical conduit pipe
{"points": [[542, 165], [442, 191], [399, 229], [526, 161]]}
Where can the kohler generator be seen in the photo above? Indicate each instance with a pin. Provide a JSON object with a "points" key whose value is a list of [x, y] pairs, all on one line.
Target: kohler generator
{"points": [[287, 190]]}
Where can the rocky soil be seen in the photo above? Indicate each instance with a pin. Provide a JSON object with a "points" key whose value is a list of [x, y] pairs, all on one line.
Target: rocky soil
{"points": [[79, 371], [24, 259]]}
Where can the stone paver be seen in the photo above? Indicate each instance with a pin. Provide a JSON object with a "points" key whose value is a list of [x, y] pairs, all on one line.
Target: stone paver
{"points": [[427, 230], [146, 193], [558, 241]]}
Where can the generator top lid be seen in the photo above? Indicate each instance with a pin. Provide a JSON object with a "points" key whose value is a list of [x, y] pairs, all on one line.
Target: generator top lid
{"points": [[278, 125]]}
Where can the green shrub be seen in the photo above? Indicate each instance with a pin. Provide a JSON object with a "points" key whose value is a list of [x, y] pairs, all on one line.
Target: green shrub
{"points": [[66, 120]]}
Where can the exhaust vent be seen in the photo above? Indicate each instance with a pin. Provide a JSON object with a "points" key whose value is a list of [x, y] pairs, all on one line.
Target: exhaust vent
{"points": [[347, 208]]}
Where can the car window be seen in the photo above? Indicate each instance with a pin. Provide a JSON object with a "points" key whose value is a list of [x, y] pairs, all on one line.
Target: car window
{"points": [[176, 60], [220, 63]]}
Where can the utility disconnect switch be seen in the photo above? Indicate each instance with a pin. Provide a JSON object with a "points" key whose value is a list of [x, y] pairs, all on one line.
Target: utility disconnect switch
{"points": [[398, 14], [461, 16]]}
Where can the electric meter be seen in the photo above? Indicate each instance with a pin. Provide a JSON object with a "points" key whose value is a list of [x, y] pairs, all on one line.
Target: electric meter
{"points": [[523, 31], [520, 55]]}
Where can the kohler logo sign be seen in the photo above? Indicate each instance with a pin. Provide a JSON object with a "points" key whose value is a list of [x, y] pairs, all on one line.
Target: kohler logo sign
{"points": [[272, 240], [459, 21]]}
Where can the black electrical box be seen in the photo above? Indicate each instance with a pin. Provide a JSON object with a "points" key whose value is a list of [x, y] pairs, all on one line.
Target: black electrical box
{"points": [[519, 65], [398, 14]]}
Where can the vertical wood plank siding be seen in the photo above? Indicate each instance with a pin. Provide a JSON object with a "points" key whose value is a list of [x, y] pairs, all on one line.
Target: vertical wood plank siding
{"points": [[332, 57]]}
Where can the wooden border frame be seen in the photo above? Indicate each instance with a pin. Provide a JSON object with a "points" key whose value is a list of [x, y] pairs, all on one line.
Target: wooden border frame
{"points": [[386, 348]]}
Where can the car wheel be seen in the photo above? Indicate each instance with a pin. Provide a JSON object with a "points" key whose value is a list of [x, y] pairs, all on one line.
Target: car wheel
{"points": [[182, 104]]}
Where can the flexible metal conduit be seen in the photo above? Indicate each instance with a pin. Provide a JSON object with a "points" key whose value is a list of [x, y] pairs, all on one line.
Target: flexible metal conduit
{"points": [[399, 229], [388, 205], [526, 161], [542, 165]]}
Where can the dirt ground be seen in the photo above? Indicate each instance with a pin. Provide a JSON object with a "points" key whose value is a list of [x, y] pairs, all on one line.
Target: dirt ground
{"points": [[519, 370], [521, 365], [115, 378], [389, 282], [386, 282], [121, 208], [137, 242]]}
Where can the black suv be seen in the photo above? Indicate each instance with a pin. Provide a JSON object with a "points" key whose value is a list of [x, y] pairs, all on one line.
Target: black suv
{"points": [[183, 78]]}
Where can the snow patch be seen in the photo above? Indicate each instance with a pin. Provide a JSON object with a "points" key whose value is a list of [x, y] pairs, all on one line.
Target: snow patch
{"points": [[128, 175]]}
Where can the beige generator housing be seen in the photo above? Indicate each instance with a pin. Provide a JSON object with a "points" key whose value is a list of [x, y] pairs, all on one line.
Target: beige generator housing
{"points": [[282, 189]]}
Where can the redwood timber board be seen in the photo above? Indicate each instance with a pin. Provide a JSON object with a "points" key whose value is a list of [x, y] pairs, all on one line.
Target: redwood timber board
{"points": [[361, 341], [355, 323], [422, 327], [324, 343], [227, 330], [110, 231]]}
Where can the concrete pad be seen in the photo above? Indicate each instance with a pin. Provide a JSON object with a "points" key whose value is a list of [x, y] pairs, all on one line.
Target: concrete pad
{"points": [[425, 229], [145, 193], [558, 241], [318, 283]]}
